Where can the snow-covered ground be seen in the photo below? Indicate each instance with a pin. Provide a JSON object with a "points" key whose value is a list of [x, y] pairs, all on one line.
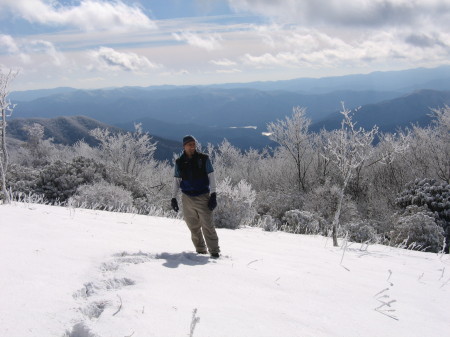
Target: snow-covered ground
{"points": [[84, 273]]}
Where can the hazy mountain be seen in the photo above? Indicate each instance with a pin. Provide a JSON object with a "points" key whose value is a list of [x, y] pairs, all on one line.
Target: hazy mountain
{"points": [[30, 95], [192, 105], [68, 130], [403, 81], [414, 108]]}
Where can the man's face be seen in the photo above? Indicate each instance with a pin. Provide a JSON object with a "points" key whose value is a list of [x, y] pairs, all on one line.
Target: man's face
{"points": [[189, 148]]}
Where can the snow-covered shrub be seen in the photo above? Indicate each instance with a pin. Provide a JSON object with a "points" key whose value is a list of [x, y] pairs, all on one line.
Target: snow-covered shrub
{"points": [[234, 204], [323, 200], [103, 196], [276, 203], [361, 232], [435, 196], [154, 186], [60, 180], [301, 222], [116, 176], [417, 230], [21, 179], [267, 223]]}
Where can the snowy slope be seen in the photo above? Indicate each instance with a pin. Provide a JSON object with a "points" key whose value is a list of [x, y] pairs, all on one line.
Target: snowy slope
{"points": [[84, 273]]}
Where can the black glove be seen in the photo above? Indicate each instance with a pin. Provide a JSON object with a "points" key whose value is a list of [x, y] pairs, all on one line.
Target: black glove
{"points": [[212, 202], [174, 204]]}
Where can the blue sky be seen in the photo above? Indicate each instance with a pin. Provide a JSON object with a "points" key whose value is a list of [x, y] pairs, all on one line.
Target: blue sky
{"points": [[99, 43]]}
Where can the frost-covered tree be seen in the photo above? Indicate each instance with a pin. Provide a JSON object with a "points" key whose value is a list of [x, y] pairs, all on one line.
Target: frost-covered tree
{"points": [[323, 200], [6, 109], [292, 135], [429, 148], [38, 150], [322, 168], [235, 204], [388, 155], [130, 151], [440, 144], [384, 175], [348, 148], [228, 162]]}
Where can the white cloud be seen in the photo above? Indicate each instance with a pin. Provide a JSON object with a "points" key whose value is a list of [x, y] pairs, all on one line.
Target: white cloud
{"points": [[229, 71], [10, 45], [285, 59], [317, 49], [26, 49], [110, 59], [223, 63], [209, 42], [292, 38], [47, 48], [88, 15]]}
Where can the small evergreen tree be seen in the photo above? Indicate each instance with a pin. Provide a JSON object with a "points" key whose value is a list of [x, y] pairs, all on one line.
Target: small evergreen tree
{"points": [[416, 229], [434, 196], [60, 180]]}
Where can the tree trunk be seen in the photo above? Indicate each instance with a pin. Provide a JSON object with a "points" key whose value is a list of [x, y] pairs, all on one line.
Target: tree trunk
{"points": [[3, 175], [337, 214], [4, 159]]}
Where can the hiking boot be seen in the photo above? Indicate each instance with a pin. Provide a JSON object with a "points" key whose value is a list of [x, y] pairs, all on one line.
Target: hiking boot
{"points": [[215, 255], [202, 253]]}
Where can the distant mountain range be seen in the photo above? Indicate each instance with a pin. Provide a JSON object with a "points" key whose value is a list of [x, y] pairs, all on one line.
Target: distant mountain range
{"points": [[415, 108], [402, 81], [240, 112]]}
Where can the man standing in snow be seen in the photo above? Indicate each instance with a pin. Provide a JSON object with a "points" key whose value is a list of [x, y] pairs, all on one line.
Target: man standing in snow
{"points": [[194, 174]]}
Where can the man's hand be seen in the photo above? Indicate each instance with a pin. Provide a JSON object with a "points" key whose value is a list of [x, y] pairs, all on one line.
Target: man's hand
{"points": [[174, 204], [212, 202]]}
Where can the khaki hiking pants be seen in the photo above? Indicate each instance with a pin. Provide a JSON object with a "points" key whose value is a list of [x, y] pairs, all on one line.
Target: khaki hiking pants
{"points": [[199, 219]]}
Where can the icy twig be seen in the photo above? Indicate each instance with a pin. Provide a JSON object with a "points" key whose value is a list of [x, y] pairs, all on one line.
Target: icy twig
{"points": [[386, 314], [248, 264], [345, 245], [120, 306], [420, 277], [383, 297], [442, 275], [194, 322], [389, 277], [382, 291], [445, 283]]}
